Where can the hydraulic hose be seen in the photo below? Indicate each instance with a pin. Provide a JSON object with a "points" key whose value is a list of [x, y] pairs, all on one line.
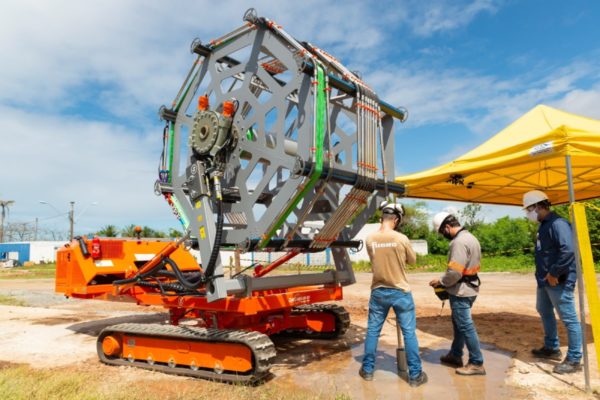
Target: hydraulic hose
{"points": [[167, 287], [139, 277], [181, 277], [190, 276], [210, 268]]}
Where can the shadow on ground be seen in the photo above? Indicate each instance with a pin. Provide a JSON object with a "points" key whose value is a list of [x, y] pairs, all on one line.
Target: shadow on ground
{"points": [[295, 353], [516, 333], [93, 328]]}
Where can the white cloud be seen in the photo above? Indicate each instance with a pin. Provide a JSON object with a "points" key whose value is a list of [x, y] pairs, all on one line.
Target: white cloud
{"points": [[137, 51], [61, 160], [484, 104], [432, 17], [580, 101]]}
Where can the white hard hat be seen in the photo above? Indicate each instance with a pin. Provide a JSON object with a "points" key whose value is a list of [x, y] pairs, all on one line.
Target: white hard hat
{"points": [[533, 197], [392, 208], [438, 219]]}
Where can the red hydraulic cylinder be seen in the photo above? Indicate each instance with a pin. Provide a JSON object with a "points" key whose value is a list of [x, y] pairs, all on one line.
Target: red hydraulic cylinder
{"points": [[260, 270]]}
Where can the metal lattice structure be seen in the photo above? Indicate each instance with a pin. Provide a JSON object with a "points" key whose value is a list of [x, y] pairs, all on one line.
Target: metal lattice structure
{"points": [[266, 135]]}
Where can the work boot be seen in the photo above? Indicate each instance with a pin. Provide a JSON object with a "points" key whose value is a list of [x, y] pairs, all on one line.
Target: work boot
{"points": [[567, 367], [367, 376], [452, 360], [471, 369], [421, 379], [545, 352]]}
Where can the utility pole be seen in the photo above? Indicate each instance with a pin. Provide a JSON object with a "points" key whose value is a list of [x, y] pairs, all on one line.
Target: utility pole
{"points": [[36, 230], [71, 218], [70, 214], [4, 204]]}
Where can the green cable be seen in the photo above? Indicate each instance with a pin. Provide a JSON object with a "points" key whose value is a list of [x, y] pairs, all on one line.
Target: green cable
{"points": [[183, 96], [250, 134], [172, 126], [318, 163], [170, 138], [183, 217]]}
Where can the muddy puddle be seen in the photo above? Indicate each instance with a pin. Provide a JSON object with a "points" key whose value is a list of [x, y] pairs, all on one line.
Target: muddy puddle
{"points": [[330, 369]]}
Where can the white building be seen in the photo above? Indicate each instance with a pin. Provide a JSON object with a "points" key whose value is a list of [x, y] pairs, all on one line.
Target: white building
{"points": [[37, 252]]}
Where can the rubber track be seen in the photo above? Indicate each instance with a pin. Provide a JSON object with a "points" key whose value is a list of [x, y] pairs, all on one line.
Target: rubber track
{"points": [[263, 350], [342, 321]]}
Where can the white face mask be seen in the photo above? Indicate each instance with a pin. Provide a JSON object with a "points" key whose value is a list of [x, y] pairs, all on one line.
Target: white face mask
{"points": [[532, 216]]}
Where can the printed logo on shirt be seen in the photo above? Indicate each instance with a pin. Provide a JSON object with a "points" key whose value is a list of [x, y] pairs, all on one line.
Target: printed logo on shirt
{"points": [[376, 245]]}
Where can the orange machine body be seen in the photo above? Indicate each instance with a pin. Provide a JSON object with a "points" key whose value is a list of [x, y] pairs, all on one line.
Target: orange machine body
{"points": [[266, 311]]}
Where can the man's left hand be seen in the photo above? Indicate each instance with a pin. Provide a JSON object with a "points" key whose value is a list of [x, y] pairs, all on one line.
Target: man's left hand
{"points": [[552, 281]]}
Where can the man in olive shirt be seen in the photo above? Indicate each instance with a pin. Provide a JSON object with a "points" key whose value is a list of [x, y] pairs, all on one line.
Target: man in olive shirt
{"points": [[389, 252], [462, 284]]}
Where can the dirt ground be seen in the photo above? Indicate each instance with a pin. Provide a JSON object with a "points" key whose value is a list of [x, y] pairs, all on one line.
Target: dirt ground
{"points": [[56, 332]]}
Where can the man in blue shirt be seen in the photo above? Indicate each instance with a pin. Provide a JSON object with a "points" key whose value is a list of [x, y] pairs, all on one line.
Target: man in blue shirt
{"points": [[556, 275]]}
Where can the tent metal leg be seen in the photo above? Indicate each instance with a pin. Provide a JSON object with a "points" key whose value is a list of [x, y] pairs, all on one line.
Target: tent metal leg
{"points": [[580, 287]]}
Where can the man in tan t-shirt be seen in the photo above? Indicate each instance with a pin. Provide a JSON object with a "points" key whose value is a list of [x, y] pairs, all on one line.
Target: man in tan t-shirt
{"points": [[389, 252]]}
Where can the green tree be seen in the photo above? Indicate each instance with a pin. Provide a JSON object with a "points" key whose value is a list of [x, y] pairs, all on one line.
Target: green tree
{"points": [[593, 221], [375, 218], [436, 243], [506, 236], [175, 233], [471, 216], [148, 232], [108, 231], [128, 231], [415, 223]]}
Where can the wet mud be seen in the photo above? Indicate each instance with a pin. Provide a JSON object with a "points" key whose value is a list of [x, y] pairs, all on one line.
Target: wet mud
{"points": [[333, 368]]}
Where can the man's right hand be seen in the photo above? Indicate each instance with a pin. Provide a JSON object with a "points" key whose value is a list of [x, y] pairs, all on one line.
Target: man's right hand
{"points": [[435, 282]]}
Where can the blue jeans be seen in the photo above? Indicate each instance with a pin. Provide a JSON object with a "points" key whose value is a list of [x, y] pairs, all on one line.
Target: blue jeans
{"points": [[464, 329], [404, 307], [562, 299]]}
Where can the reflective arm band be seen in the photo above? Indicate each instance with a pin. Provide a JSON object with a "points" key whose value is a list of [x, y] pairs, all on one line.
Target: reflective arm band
{"points": [[471, 271], [454, 266]]}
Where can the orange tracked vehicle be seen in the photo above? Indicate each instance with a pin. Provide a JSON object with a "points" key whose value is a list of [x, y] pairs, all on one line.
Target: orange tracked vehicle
{"points": [[267, 138]]}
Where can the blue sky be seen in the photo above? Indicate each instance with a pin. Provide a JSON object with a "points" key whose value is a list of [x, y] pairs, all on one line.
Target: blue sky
{"points": [[80, 84]]}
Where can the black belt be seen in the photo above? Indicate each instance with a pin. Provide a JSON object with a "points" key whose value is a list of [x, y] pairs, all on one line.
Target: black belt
{"points": [[471, 280]]}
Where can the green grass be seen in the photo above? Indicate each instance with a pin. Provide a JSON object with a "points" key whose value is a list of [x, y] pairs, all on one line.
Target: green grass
{"points": [[517, 263], [23, 383], [38, 271], [438, 262], [11, 301], [18, 382]]}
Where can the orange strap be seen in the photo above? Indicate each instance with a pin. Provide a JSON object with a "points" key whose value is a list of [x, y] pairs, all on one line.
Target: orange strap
{"points": [[461, 269], [471, 271], [454, 266]]}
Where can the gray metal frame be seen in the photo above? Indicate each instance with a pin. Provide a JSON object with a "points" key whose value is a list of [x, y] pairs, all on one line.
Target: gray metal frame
{"points": [[279, 109]]}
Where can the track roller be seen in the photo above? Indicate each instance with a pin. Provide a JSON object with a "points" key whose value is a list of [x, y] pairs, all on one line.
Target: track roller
{"points": [[220, 355], [334, 321]]}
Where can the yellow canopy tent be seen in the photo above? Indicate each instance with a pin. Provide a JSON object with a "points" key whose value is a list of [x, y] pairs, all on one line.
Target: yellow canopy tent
{"points": [[545, 149], [528, 154]]}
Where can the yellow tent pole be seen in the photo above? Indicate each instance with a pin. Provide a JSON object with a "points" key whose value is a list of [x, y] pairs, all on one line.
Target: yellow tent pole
{"points": [[580, 287], [589, 275]]}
